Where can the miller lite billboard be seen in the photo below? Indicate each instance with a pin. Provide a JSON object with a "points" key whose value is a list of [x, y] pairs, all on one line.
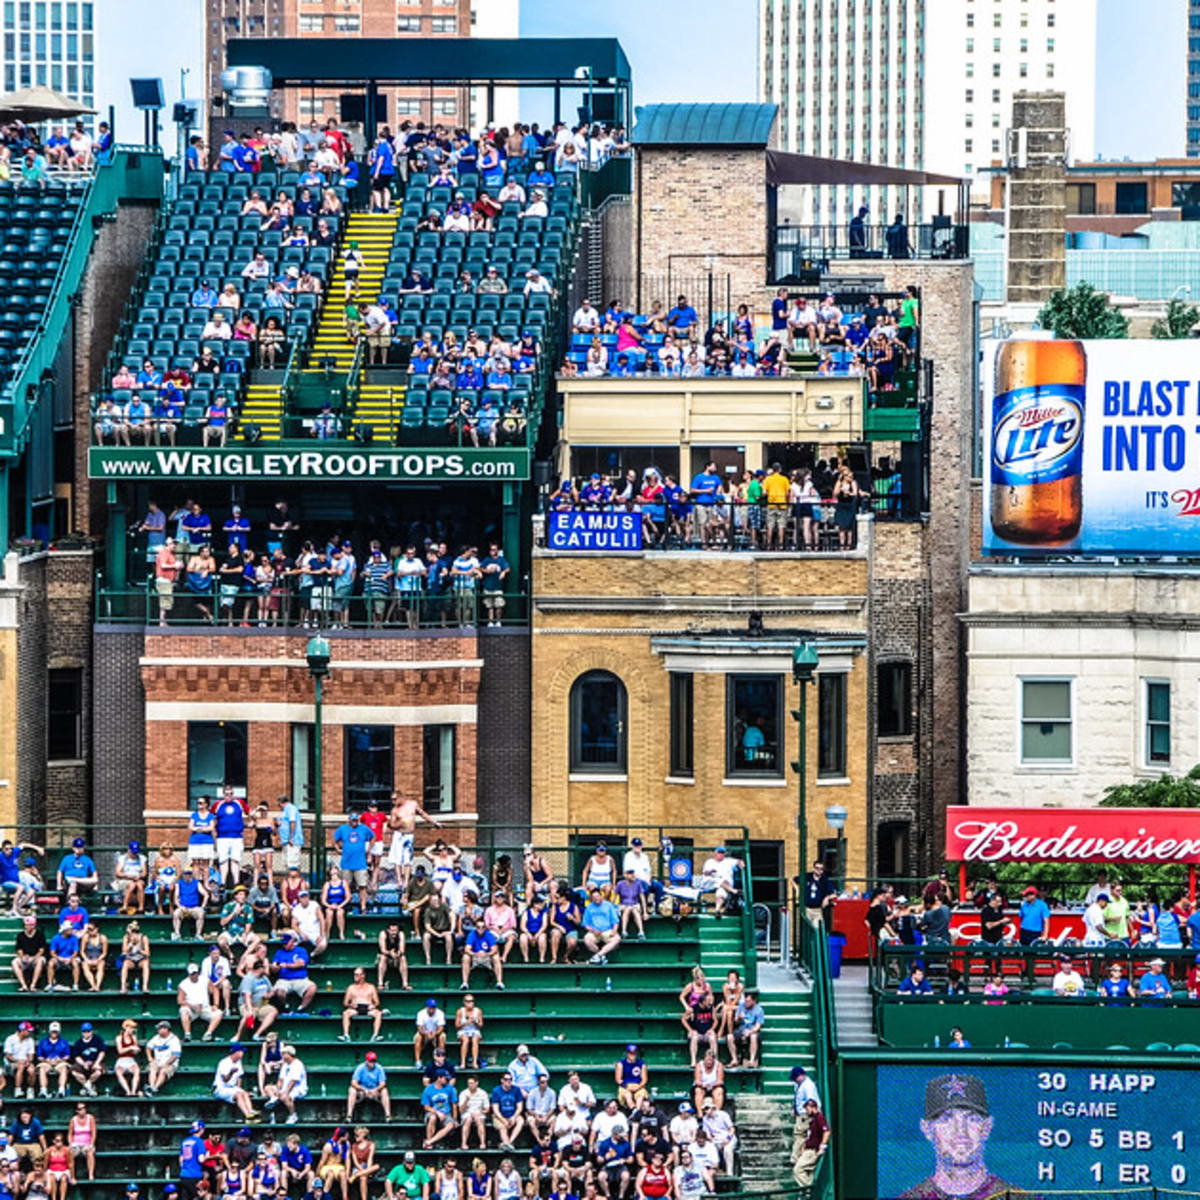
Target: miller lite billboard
{"points": [[1091, 447]]}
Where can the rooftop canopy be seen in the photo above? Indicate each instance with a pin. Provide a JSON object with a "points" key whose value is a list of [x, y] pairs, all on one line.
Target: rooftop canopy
{"points": [[784, 168], [745, 125], [297, 62]]}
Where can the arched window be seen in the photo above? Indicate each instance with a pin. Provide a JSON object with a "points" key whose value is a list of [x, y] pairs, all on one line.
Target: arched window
{"points": [[598, 713]]}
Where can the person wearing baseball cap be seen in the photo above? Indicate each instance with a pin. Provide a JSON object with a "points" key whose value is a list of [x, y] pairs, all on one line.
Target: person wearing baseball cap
{"points": [[1034, 917], [129, 878], [408, 1178], [77, 870], [957, 1124], [804, 1089], [369, 1082]]}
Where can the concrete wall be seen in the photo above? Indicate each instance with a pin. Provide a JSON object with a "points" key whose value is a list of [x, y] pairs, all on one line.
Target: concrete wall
{"points": [[1037, 254], [1107, 631]]}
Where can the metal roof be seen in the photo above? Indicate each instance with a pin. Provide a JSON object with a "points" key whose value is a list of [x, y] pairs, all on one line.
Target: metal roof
{"points": [[528, 61], [784, 168], [746, 125]]}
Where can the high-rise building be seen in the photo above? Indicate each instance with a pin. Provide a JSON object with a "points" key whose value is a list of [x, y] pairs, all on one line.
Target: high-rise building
{"points": [[921, 83], [1193, 80], [324, 19], [50, 43]]}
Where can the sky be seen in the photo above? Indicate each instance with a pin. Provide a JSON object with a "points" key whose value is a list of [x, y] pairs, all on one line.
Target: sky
{"points": [[706, 51]]}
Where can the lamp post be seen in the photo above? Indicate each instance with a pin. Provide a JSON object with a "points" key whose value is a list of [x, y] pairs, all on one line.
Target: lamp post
{"points": [[804, 662], [836, 815], [586, 73], [317, 652]]}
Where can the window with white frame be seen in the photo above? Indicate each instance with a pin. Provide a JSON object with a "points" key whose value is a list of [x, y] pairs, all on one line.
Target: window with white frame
{"points": [[1046, 733], [1157, 707], [443, 24]]}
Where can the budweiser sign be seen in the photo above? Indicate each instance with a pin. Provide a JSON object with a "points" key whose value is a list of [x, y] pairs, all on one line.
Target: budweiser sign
{"points": [[1073, 835]]}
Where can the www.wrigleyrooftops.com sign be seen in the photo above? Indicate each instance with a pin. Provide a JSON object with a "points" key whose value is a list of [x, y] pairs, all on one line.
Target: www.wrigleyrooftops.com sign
{"points": [[368, 463]]}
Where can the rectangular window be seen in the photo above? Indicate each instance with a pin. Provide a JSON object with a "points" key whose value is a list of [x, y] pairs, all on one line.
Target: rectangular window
{"points": [[970, 96], [1158, 722], [311, 23], [753, 711], [445, 108], [995, 45], [1022, 70], [346, 24], [970, 20], [304, 764], [443, 24], [1046, 721], [996, 70], [1024, 45], [1049, 70], [831, 725], [438, 761], [1050, 20], [368, 765], [408, 24], [407, 107], [893, 699], [970, 70], [1132, 198], [1049, 45], [682, 760], [216, 756], [968, 145], [995, 95], [64, 714], [970, 45], [1081, 199]]}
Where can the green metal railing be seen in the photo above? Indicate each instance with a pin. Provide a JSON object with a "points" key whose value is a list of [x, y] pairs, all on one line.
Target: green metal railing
{"points": [[813, 943], [134, 172]]}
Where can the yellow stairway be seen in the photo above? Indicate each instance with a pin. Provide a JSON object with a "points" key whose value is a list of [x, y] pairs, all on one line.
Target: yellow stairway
{"points": [[263, 407], [379, 405], [373, 232]]}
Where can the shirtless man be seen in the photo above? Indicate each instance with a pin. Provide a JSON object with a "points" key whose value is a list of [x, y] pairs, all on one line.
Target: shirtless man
{"points": [[361, 1000], [402, 821]]}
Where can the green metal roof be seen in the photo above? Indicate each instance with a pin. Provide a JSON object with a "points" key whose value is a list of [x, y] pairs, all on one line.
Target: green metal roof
{"points": [[704, 124]]}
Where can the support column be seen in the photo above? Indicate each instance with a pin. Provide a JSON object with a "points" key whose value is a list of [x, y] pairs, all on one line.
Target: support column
{"points": [[510, 529], [4, 524], [115, 540], [372, 101]]}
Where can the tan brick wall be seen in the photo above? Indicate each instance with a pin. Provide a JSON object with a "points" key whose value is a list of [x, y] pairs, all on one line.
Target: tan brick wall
{"points": [[568, 644], [696, 210]]}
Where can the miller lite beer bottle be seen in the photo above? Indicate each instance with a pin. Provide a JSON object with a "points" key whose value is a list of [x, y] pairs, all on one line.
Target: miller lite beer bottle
{"points": [[1037, 441]]}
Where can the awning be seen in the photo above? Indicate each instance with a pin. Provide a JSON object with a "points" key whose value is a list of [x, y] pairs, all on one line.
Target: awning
{"points": [[784, 168]]}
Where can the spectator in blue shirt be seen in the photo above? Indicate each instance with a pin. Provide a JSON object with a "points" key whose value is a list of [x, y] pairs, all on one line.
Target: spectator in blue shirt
{"points": [[353, 840], [64, 956], [1116, 989], [539, 176], [415, 283], [296, 1162], [1154, 988], [916, 984], [205, 296], [440, 1102], [53, 1058], [682, 319], [225, 156], [290, 966], [507, 1111], [1035, 916], [624, 368], [27, 1130], [369, 1082], [192, 1153], [705, 488], [469, 375], [746, 1031], [77, 871], [230, 815], [481, 949], [602, 927]]}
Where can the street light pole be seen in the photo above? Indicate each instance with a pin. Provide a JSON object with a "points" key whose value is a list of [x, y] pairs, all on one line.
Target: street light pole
{"points": [[836, 815], [804, 662], [318, 653]]}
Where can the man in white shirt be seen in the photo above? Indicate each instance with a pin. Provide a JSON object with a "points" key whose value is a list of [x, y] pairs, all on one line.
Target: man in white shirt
{"points": [[227, 1082], [216, 972], [308, 926], [586, 318], [193, 1000], [1095, 933], [541, 1106], [718, 1125], [526, 1069], [291, 1084], [537, 206], [1068, 981], [511, 192], [537, 284], [19, 1053], [431, 1030], [577, 1094], [569, 1122], [802, 324], [610, 1123], [717, 876], [163, 1052], [217, 329], [683, 1127]]}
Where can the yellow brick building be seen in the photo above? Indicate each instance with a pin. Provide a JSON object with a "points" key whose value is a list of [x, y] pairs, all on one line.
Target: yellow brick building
{"points": [[664, 653]]}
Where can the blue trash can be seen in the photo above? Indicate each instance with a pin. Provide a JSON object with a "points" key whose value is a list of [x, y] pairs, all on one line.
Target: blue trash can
{"points": [[837, 943]]}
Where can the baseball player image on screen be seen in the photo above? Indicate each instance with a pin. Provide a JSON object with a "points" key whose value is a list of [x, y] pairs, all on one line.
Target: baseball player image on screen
{"points": [[957, 1125]]}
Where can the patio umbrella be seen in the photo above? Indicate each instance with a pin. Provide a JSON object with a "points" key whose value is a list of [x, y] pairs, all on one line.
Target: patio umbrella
{"points": [[40, 104]]}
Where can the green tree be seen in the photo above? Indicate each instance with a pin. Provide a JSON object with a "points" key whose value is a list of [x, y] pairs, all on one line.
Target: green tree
{"points": [[1082, 312], [1179, 322], [1167, 791]]}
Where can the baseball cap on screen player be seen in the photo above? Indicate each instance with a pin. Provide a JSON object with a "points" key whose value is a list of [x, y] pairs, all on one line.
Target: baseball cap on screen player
{"points": [[944, 1092]]}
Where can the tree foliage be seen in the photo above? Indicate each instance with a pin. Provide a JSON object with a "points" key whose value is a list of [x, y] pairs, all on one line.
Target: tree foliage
{"points": [[1082, 312], [1167, 791], [1179, 321]]}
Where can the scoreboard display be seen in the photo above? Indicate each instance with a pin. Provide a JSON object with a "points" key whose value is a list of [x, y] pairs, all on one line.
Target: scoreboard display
{"points": [[979, 1129]]}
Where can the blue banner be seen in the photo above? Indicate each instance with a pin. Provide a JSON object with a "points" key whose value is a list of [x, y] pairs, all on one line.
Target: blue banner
{"points": [[594, 531]]}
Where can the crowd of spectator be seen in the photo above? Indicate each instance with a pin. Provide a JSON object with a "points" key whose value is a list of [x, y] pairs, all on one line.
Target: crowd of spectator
{"points": [[875, 341], [255, 925], [28, 161], [761, 509], [317, 583]]}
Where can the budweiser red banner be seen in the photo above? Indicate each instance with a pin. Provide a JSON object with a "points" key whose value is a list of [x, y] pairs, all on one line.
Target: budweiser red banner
{"points": [[1073, 835]]}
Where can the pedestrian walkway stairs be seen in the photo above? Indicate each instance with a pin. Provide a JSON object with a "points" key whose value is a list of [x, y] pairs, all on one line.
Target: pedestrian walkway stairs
{"points": [[852, 1008]]}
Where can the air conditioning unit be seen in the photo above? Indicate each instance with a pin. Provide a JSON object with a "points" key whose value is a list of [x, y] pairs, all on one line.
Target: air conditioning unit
{"points": [[247, 87]]}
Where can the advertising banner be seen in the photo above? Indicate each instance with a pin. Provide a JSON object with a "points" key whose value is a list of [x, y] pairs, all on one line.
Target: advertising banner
{"points": [[976, 1131], [386, 464], [1091, 448], [594, 531], [1149, 835]]}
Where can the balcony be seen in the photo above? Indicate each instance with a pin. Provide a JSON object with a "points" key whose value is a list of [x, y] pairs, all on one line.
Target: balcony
{"points": [[801, 249]]}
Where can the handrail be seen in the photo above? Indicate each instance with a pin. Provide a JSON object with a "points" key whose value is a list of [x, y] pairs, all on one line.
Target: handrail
{"points": [[285, 388], [814, 954], [353, 380], [749, 947], [102, 191]]}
